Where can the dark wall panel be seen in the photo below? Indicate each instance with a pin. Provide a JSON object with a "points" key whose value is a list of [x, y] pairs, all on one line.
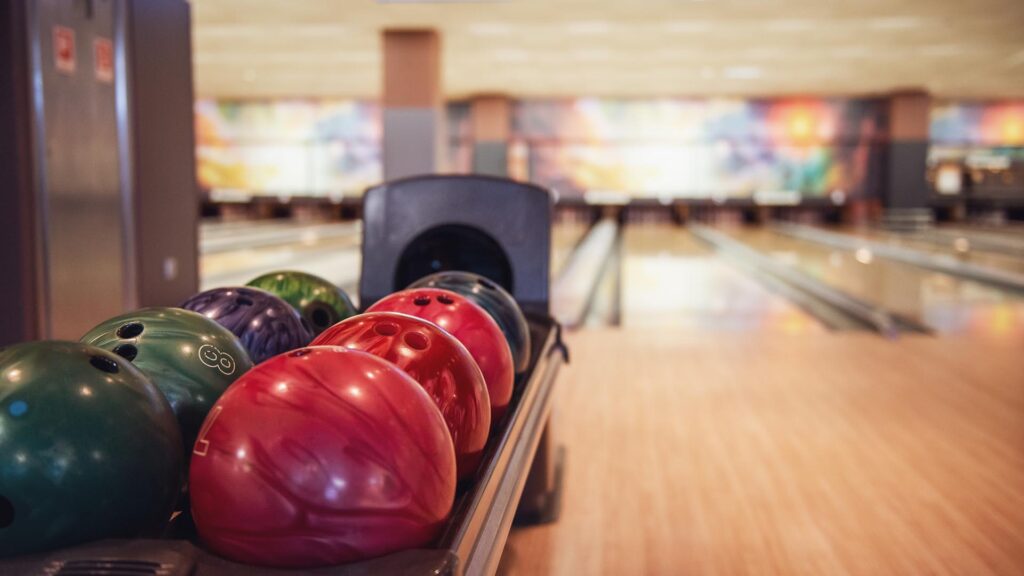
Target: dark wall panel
{"points": [[906, 166], [18, 284]]}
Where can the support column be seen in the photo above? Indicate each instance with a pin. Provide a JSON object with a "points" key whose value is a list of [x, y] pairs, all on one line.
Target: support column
{"points": [[491, 121], [161, 145], [413, 103], [906, 194]]}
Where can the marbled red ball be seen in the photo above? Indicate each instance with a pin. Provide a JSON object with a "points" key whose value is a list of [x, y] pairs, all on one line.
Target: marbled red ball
{"points": [[469, 324], [319, 457], [435, 359]]}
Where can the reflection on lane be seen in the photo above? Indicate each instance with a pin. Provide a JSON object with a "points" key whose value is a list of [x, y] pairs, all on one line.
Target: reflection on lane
{"points": [[962, 250], [671, 280], [244, 252], [1007, 230], [216, 239], [946, 303]]}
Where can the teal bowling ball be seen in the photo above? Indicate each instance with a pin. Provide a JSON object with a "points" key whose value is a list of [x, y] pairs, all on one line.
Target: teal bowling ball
{"points": [[89, 449], [189, 357]]}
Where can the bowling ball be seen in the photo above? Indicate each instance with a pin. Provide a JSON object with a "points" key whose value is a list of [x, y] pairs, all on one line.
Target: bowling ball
{"points": [[469, 324], [321, 303], [496, 301], [89, 448], [318, 457], [266, 324], [435, 359], [189, 357]]}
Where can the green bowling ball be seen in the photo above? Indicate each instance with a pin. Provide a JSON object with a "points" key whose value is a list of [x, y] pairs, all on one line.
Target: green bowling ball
{"points": [[321, 303], [189, 357], [89, 448]]}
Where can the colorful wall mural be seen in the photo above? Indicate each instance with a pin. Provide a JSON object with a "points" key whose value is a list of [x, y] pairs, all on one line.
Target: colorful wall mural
{"points": [[713, 148], [287, 147], [979, 124], [710, 148], [977, 148]]}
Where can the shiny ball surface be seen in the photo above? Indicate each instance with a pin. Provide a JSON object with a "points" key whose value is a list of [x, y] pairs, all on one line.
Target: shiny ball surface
{"points": [[320, 302], [496, 301], [319, 457], [189, 357], [89, 448], [469, 324], [264, 323], [435, 359]]}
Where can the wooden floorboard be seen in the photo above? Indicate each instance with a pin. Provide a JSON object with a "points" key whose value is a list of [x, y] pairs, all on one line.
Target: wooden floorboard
{"points": [[829, 454]]}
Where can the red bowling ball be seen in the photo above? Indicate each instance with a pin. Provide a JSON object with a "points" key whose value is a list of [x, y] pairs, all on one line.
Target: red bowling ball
{"points": [[318, 457], [435, 359], [469, 324]]}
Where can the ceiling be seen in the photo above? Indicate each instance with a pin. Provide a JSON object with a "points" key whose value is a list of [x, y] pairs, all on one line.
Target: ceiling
{"points": [[628, 48]]}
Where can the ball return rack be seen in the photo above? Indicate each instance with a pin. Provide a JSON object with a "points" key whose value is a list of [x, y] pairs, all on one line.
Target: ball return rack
{"points": [[494, 227]]}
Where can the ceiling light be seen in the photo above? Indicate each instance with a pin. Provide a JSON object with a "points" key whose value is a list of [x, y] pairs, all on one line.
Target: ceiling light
{"points": [[764, 52], [346, 56], [440, 1], [790, 25], [261, 30], [315, 29], [687, 26], [511, 55], [490, 29], [676, 54], [895, 23], [943, 50], [590, 55], [588, 27], [742, 72], [851, 52], [229, 30]]}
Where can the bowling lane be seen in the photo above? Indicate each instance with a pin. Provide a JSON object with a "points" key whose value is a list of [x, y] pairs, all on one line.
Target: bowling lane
{"points": [[234, 253], [946, 303], [217, 237], [237, 253], [959, 247], [671, 279], [1013, 229]]}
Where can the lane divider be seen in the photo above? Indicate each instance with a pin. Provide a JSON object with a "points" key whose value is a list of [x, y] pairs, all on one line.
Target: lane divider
{"points": [[573, 290], [938, 262], [863, 313], [975, 242]]}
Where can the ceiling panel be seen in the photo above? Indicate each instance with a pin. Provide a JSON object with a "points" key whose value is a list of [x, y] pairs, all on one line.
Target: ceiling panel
{"points": [[629, 48]]}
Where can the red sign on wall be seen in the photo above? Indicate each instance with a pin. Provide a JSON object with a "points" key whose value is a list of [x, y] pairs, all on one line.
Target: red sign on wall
{"points": [[103, 56], [64, 49]]}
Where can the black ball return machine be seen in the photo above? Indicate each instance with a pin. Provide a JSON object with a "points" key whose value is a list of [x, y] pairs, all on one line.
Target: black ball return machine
{"points": [[412, 227]]}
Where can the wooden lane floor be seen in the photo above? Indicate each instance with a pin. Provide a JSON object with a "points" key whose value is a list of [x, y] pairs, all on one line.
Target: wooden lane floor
{"points": [[943, 302], [834, 453], [671, 279]]}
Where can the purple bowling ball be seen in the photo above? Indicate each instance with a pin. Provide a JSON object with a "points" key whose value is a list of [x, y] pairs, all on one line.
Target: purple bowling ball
{"points": [[266, 324]]}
